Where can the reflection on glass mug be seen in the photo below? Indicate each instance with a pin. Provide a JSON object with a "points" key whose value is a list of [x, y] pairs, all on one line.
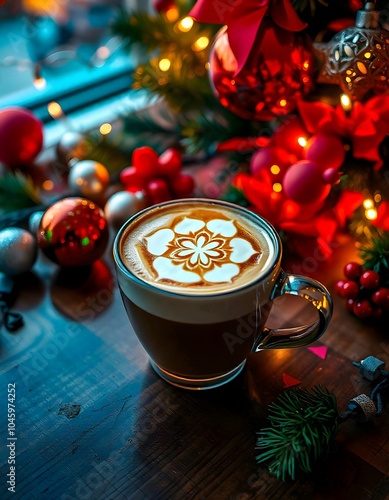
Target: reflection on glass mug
{"points": [[197, 278]]}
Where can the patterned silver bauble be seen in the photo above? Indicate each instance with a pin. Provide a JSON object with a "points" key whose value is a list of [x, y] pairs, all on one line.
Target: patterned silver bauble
{"points": [[122, 205], [88, 178], [72, 145], [18, 251]]}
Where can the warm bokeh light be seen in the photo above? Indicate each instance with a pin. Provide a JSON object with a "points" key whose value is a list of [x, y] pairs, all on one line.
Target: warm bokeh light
{"points": [[345, 102], [103, 52], [54, 109], [277, 187], [105, 128], [172, 14], [185, 24], [275, 169], [39, 83], [377, 197], [200, 44], [48, 185], [164, 64], [371, 214], [302, 141], [283, 103], [368, 203]]}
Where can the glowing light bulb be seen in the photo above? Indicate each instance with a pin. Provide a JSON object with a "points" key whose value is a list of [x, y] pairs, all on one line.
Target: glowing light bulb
{"points": [[172, 14], [185, 24], [54, 109], [105, 128], [275, 169], [283, 103], [48, 185], [200, 44], [302, 141], [368, 203], [164, 64], [345, 102], [39, 83], [371, 214], [277, 187]]}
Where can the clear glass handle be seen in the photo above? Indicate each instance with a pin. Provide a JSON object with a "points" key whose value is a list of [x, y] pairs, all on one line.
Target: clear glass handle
{"points": [[317, 295]]}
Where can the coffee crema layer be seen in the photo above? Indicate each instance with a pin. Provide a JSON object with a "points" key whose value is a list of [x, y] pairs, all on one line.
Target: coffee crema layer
{"points": [[196, 248]]}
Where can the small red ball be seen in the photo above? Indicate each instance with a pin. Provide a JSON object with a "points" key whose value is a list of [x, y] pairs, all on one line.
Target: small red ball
{"points": [[350, 290], [331, 176], [158, 191], [21, 136], [381, 297], [327, 151], [145, 161], [266, 158], [370, 280], [352, 271], [183, 185], [169, 163], [73, 232], [363, 309], [303, 183]]}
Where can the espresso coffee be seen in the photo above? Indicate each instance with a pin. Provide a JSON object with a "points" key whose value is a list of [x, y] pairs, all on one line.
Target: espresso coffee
{"points": [[197, 278], [196, 249]]}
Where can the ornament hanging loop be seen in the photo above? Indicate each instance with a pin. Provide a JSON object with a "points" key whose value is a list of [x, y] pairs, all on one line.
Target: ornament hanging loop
{"points": [[368, 17]]}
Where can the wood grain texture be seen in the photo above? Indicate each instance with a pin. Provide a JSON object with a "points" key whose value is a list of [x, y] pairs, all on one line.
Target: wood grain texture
{"points": [[133, 436]]}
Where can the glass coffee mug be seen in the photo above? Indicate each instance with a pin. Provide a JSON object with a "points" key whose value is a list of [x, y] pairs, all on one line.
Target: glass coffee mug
{"points": [[197, 278]]}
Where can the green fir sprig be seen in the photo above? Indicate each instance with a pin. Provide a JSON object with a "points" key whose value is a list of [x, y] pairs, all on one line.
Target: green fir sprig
{"points": [[375, 256], [17, 191], [303, 426]]}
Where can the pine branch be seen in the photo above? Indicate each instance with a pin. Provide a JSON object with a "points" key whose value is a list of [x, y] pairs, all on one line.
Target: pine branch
{"points": [[376, 256], [16, 192], [304, 424]]}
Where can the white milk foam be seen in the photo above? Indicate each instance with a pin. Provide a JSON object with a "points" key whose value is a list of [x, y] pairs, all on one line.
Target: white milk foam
{"points": [[196, 248]]}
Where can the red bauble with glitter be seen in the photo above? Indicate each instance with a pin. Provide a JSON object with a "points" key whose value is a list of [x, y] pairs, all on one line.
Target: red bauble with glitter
{"points": [[21, 136], [73, 232], [278, 72]]}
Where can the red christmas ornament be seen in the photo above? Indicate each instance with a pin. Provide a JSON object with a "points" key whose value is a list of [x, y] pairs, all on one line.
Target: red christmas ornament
{"points": [[270, 162], [327, 151], [277, 73], [162, 6], [21, 136], [303, 183], [73, 232]]}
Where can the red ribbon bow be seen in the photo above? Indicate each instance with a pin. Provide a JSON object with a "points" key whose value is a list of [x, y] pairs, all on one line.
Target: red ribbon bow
{"points": [[243, 18]]}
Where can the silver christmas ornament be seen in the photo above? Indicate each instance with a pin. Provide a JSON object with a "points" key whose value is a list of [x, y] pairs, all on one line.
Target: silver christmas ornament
{"points": [[34, 221], [88, 178], [18, 251], [72, 145], [122, 205]]}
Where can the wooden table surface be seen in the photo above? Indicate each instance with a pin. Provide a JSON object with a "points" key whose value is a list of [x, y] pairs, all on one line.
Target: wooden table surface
{"points": [[93, 421]]}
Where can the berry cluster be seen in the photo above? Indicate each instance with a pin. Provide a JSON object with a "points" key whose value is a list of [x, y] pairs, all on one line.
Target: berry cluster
{"points": [[160, 177], [364, 296]]}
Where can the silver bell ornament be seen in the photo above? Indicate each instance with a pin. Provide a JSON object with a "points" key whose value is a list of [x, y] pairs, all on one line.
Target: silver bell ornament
{"points": [[122, 205], [88, 178], [18, 251]]}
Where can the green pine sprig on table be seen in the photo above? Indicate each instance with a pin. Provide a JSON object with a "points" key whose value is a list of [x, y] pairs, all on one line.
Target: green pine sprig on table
{"points": [[303, 426], [17, 191]]}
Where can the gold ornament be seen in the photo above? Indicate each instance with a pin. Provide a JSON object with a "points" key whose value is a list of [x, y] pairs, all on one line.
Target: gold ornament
{"points": [[357, 58]]}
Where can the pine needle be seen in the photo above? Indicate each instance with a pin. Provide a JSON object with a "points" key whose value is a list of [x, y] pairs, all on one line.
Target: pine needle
{"points": [[17, 191]]}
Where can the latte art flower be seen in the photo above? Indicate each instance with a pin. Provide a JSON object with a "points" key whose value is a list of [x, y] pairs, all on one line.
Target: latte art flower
{"points": [[200, 250], [195, 251]]}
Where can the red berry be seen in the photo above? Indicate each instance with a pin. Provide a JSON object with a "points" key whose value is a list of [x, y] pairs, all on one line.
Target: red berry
{"points": [[350, 290], [339, 287], [169, 163], [130, 176], [363, 309], [350, 304], [381, 297], [158, 190], [352, 271], [370, 280], [145, 161], [183, 185]]}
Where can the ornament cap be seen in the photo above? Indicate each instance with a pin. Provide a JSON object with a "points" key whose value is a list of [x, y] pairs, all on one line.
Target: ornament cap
{"points": [[368, 17]]}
